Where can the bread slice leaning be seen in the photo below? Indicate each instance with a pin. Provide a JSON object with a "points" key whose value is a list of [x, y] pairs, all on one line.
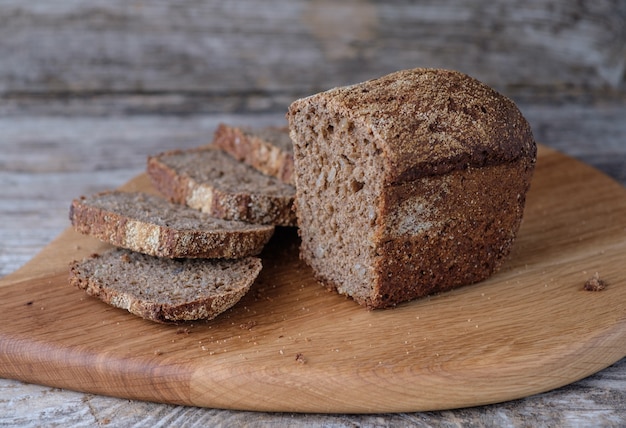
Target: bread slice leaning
{"points": [[165, 290], [268, 149], [212, 181], [154, 226]]}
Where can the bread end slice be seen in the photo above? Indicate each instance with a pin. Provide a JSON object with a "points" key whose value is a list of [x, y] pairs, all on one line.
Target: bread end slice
{"points": [[268, 149], [208, 179]]}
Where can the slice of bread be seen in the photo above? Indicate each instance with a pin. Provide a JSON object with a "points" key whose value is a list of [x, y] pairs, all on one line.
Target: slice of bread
{"points": [[165, 290], [208, 179], [151, 225], [268, 150]]}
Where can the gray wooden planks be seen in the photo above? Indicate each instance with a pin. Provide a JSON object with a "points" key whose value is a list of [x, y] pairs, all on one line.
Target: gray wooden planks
{"points": [[293, 48]]}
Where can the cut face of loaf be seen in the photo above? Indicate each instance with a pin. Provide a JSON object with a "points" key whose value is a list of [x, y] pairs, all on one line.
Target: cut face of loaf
{"points": [[410, 184], [268, 150], [151, 225], [214, 182], [165, 290]]}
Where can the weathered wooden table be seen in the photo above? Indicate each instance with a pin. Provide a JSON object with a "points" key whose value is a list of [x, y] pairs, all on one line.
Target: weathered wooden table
{"points": [[89, 89]]}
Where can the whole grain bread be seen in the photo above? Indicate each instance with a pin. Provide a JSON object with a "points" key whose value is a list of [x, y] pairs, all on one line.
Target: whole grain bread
{"points": [[165, 290], [154, 226], [208, 179], [409, 184], [268, 149]]}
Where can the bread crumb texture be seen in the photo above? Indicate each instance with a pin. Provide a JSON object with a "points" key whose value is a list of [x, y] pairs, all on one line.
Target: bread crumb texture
{"points": [[268, 149], [165, 290], [152, 225], [409, 184], [216, 183], [595, 283]]}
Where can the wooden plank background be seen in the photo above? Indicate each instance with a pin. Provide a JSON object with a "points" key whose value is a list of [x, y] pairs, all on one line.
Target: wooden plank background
{"points": [[244, 55]]}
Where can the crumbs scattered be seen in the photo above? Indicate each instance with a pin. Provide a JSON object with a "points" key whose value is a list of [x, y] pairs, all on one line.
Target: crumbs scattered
{"points": [[158, 352], [184, 331], [29, 303], [595, 283], [300, 358], [248, 325]]}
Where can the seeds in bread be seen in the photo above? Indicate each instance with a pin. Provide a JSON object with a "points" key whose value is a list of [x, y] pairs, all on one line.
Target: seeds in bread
{"points": [[431, 168], [151, 225], [165, 290], [212, 181], [268, 150]]}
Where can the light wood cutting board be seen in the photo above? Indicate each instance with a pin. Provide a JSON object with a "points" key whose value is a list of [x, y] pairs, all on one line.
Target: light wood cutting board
{"points": [[290, 345]]}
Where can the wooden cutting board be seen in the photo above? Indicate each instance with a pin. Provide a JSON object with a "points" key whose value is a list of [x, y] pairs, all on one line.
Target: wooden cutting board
{"points": [[290, 345]]}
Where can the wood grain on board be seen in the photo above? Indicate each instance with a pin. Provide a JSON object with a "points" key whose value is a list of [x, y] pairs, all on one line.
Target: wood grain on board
{"points": [[290, 345]]}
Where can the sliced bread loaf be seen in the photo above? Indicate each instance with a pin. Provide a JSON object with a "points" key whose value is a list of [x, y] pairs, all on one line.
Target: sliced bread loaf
{"points": [[152, 225], [165, 290], [268, 150], [212, 181], [431, 169]]}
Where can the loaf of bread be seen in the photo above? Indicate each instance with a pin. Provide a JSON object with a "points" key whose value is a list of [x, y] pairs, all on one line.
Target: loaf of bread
{"points": [[268, 150], [154, 226], [409, 184], [214, 182], [162, 289]]}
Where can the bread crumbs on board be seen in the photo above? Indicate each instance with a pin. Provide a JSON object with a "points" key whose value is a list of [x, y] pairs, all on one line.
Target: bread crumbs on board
{"points": [[248, 325], [595, 283]]}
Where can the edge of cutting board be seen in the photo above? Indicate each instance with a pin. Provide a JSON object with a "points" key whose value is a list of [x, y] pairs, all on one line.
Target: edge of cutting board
{"points": [[290, 345]]}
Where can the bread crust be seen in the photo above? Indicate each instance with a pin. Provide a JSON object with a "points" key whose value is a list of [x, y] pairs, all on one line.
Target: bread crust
{"points": [[263, 149], [132, 292], [259, 207], [439, 166], [108, 217], [465, 122], [465, 239]]}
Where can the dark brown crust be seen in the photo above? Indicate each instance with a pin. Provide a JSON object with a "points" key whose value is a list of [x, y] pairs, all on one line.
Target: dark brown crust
{"points": [[452, 150], [457, 120], [255, 151], [472, 242], [126, 232], [179, 188], [414, 268]]}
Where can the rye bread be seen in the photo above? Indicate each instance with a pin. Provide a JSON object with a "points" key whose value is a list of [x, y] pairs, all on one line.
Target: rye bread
{"points": [[154, 226], [165, 290], [267, 149], [208, 179], [431, 169]]}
